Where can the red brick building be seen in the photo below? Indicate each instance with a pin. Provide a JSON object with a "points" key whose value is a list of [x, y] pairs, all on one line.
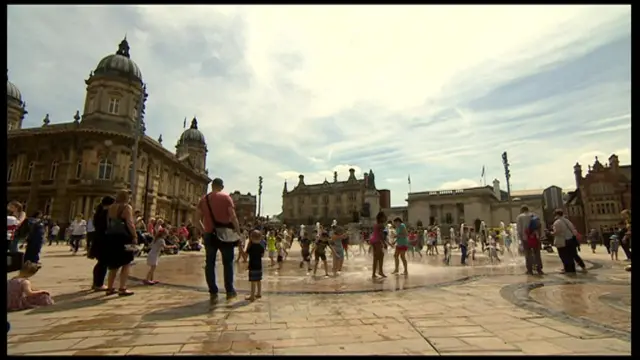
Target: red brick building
{"points": [[245, 204], [600, 196]]}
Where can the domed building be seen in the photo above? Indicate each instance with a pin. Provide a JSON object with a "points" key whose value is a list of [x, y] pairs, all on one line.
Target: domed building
{"points": [[66, 168]]}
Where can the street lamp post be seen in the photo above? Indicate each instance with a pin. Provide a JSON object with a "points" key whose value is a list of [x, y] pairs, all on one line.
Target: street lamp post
{"points": [[507, 174], [259, 195], [138, 131]]}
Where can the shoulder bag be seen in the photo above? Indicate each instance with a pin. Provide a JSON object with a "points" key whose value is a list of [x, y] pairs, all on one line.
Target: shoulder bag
{"points": [[221, 232]]}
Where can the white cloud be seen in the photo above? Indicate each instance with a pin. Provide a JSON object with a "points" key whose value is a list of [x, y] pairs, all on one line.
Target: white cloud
{"points": [[284, 90]]}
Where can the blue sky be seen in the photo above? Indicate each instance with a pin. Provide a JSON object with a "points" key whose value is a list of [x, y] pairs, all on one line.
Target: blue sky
{"points": [[432, 91]]}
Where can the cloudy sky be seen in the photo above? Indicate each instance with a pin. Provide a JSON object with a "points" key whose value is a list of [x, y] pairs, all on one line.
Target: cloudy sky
{"points": [[431, 91]]}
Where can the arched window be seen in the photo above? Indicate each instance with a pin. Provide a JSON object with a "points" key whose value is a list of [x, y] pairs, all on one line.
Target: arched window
{"points": [[10, 172], [114, 106], [79, 169], [30, 171], [54, 170], [105, 169]]}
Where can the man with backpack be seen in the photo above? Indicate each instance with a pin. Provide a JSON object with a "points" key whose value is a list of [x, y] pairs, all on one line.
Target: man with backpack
{"points": [[529, 232]]}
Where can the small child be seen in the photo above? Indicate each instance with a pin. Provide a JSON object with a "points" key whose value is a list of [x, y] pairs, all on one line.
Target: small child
{"points": [[241, 245], [305, 252], [271, 248], [153, 257], [613, 247], [282, 252], [319, 253], [471, 248], [255, 250], [492, 249], [448, 248], [20, 295], [338, 250]]}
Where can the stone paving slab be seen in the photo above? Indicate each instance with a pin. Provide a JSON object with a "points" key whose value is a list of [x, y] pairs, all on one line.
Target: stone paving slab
{"points": [[465, 319]]}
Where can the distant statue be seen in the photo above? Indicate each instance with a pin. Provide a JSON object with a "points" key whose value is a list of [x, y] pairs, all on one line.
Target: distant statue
{"points": [[372, 181]]}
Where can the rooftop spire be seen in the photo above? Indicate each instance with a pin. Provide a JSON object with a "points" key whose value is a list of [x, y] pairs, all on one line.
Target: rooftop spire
{"points": [[194, 123], [123, 48]]}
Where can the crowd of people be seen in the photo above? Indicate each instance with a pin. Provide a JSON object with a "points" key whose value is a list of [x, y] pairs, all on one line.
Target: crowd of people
{"points": [[116, 234]]}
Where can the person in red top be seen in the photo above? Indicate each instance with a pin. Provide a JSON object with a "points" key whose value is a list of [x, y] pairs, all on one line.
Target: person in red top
{"points": [[216, 217]]}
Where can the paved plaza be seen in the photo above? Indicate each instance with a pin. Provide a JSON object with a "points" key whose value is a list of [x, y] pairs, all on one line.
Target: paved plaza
{"points": [[436, 310]]}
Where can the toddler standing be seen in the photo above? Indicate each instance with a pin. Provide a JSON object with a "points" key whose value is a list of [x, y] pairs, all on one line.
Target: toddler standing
{"points": [[255, 250], [153, 257], [613, 247]]}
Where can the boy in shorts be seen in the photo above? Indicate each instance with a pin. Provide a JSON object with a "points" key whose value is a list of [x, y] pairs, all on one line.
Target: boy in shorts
{"points": [[255, 250], [319, 253], [305, 250], [614, 246]]}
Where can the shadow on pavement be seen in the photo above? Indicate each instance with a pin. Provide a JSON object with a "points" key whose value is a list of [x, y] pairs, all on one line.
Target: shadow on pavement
{"points": [[193, 309]]}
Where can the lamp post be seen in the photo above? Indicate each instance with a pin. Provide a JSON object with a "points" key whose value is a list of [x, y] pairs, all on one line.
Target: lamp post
{"points": [[259, 195], [507, 174], [138, 131]]}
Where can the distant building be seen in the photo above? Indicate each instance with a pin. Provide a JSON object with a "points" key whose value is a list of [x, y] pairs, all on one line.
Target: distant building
{"points": [[454, 207], [246, 206], [345, 201], [600, 195], [552, 199]]}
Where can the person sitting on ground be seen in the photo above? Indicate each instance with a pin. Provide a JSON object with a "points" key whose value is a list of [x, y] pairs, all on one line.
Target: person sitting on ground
{"points": [[20, 294]]}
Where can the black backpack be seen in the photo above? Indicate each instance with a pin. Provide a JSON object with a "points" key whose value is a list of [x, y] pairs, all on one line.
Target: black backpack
{"points": [[23, 230]]}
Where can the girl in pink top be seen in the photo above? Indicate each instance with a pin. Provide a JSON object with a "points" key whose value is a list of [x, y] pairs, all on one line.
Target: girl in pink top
{"points": [[20, 295], [377, 242]]}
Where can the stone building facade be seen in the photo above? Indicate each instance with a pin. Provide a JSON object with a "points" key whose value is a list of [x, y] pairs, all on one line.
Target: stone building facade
{"points": [[246, 205], [600, 195], [66, 168], [345, 201], [455, 207]]}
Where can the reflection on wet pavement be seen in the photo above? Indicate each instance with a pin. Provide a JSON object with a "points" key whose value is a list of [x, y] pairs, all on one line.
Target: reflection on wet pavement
{"points": [[355, 277], [473, 317]]}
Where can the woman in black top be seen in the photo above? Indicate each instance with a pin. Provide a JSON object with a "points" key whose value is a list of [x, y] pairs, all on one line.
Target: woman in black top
{"points": [[96, 251]]}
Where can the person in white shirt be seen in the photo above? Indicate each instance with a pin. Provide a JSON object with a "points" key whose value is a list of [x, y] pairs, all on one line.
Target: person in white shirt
{"points": [[78, 232], [53, 233]]}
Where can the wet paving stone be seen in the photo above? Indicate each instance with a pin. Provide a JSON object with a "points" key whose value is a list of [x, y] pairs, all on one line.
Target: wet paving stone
{"points": [[437, 310]]}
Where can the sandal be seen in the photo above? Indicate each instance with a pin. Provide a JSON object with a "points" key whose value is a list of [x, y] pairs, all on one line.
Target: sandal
{"points": [[110, 291], [124, 292]]}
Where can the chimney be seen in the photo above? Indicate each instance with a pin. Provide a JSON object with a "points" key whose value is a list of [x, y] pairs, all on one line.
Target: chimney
{"points": [[496, 188], [614, 163], [284, 191], [577, 171], [335, 176], [300, 180]]}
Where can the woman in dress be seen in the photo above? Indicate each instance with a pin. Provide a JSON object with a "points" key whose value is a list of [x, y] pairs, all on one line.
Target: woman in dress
{"points": [[120, 234]]}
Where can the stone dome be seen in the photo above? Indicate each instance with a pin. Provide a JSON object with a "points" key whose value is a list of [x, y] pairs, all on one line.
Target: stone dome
{"points": [[119, 63], [192, 135], [13, 91]]}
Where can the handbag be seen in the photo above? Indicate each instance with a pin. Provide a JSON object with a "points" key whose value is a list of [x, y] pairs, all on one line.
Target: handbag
{"points": [[221, 233], [117, 226], [14, 261]]}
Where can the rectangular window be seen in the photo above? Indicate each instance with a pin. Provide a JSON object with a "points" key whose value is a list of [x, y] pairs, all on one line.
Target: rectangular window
{"points": [[114, 106]]}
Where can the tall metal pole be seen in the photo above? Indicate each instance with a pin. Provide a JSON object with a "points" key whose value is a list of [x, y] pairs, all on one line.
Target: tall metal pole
{"points": [[507, 174], [137, 133], [259, 195]]}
